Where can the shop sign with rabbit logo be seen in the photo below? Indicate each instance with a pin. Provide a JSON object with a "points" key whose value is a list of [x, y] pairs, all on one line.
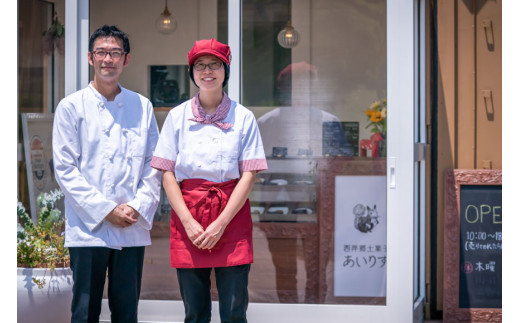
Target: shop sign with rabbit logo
{"points": [[360, 236]]}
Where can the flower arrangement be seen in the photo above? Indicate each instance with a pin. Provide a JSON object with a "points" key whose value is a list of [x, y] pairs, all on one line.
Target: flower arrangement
{"points": [[41, 245], [376, 115]]}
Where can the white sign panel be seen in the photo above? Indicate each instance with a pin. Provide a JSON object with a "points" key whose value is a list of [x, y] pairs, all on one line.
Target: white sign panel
{"points": [[360, 236], [37, 133]]}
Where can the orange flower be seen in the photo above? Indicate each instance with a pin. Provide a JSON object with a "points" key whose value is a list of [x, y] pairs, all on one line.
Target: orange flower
{"points": [[376, 116]]}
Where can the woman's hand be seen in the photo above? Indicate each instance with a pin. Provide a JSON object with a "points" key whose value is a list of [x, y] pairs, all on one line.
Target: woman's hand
{"points": [[193, 229], [173, 191], [214, 231], [211, 236]]}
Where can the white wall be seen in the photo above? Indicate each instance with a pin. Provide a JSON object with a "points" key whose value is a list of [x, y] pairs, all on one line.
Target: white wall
{"points": [[148, 46]]}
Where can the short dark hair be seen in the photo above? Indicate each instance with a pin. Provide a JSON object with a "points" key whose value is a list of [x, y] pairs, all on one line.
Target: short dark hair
{"points": [[109, 31]]}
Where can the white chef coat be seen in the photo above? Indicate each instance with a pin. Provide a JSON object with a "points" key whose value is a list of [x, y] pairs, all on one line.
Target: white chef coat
{"points": [[295, 128], [195, 150], [102, 152]]}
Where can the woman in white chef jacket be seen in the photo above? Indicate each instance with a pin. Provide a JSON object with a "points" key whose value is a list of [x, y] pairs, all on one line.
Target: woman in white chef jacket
{"points": [[210, 150]]}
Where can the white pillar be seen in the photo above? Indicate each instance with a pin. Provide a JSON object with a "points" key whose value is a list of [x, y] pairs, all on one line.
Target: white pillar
{"points": [[234, 41], [76, 45]]}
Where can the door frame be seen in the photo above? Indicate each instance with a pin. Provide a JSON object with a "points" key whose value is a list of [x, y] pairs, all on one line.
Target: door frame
{"points": [[402, 100]]}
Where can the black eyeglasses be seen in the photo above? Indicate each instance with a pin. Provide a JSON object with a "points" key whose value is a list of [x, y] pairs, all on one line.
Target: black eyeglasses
{"points": [[115, 54], [212, 66]]}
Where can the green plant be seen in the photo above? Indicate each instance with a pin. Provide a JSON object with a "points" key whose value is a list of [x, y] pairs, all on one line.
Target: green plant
{"points": [[54, 37], [41, 245]]}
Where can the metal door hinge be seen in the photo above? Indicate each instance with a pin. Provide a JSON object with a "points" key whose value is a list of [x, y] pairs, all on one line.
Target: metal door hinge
{"points": [[419, 152]]}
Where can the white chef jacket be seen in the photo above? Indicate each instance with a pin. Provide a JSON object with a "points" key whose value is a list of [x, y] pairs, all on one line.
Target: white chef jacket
{"points": [[102, 152], [295, 128], [195, 150]]}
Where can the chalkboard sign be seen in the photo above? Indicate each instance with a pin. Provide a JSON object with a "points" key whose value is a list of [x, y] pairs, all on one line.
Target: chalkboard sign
{"points": [[334, 140], [351, 129], [480, 282], [473, 246]]}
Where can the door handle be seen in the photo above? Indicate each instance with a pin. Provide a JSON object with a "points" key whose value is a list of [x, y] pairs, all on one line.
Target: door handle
{"points": [[392, 172]]}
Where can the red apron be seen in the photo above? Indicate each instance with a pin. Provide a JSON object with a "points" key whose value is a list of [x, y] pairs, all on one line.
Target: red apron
{"points": [[206, 200]]}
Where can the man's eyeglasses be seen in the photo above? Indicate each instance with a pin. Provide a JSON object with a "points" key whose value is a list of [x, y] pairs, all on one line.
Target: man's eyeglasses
{"points": [[212, 66], [115, 54]]}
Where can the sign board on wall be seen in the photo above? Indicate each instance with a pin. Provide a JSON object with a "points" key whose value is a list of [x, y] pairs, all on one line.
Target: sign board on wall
{"points": [[360, 236], [473, 246]]}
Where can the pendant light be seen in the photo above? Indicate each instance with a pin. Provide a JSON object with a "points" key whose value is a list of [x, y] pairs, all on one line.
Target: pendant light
{"points": [[166, 23], [288, 37]]}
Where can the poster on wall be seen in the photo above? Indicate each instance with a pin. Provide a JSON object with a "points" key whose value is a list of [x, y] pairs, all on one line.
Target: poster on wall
{"points": [[169, 85], [360, 236], [37, 135]]}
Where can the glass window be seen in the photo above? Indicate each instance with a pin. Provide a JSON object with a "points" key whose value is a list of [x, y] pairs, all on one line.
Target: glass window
{"points": [[35, 70], [319, 212], [35, 56]]}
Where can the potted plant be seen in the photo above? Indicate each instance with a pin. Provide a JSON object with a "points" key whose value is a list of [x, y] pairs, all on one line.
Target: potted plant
{"points": [[44, 276]]}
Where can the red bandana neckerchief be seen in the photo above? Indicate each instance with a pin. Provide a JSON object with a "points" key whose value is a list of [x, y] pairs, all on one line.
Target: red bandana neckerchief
{"points": [[200, 115]]}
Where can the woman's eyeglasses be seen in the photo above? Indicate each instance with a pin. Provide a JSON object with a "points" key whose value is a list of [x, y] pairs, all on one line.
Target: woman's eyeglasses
{"points": [[212, 66]]}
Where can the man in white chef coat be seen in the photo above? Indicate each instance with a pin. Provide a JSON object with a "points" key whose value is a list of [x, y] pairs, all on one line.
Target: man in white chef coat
{"points": [[103, 139]]}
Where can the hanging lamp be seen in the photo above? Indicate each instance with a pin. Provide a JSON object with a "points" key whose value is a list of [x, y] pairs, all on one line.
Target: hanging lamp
{"points": [[166, 23], [288, 37]]}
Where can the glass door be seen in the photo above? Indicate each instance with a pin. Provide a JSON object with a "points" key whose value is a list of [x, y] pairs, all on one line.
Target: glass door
{"points": [[334, 216]]}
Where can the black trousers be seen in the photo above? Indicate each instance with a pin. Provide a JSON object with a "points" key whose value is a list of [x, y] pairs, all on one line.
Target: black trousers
{"points": [[89, 268], [195, 287]]}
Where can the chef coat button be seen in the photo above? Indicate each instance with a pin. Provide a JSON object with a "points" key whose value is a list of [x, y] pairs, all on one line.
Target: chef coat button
{"points": [[120, 104], [199, 165], [112, 185], [131, 185]]}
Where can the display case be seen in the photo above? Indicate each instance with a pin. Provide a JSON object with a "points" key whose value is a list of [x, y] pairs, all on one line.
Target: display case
{"points": [[286, 192], [283, 209]]}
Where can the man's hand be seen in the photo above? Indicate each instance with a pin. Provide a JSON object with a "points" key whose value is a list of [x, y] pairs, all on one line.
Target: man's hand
{"points": [[120, 216], [130, 211]]}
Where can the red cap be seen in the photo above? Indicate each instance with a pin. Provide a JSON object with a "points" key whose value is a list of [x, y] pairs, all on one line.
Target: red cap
{"points": [[209, 47]]}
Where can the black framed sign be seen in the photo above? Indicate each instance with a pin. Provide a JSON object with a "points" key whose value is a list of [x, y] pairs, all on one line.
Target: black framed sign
{"points": [[473, 246]]}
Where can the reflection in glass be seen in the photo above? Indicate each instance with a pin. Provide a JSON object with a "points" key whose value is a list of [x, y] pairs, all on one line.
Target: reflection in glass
{"points": [[310, 102], [298, 125], [35, 56]]}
